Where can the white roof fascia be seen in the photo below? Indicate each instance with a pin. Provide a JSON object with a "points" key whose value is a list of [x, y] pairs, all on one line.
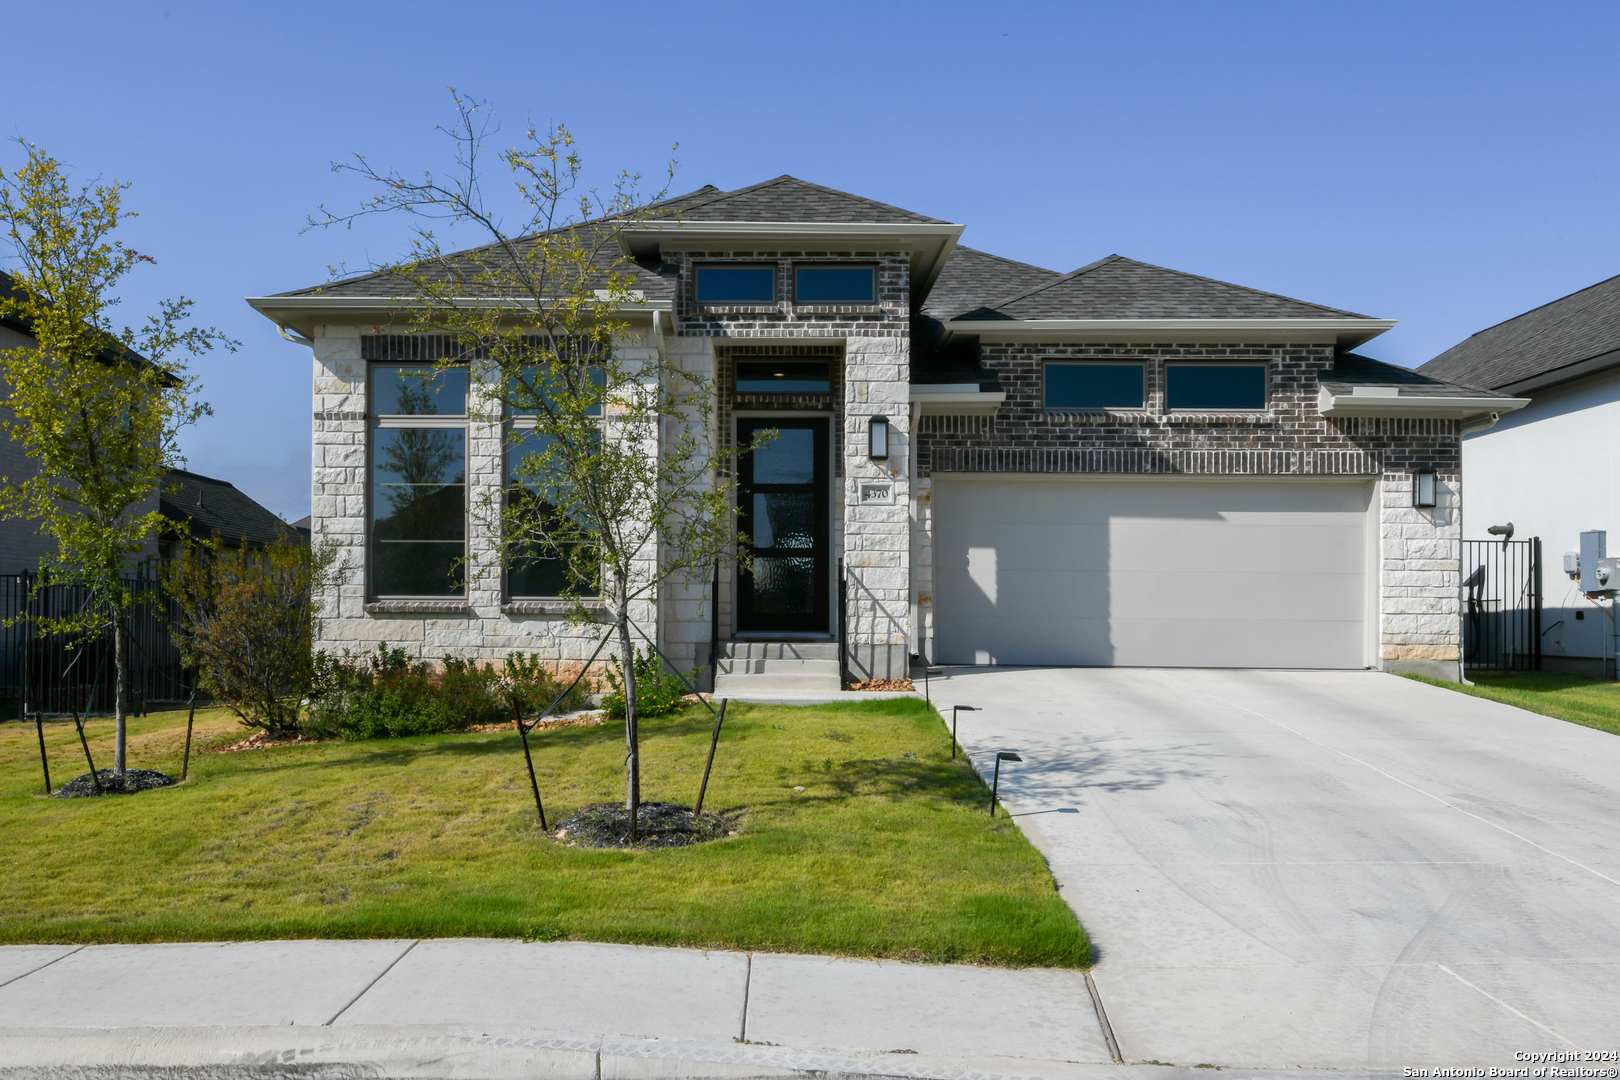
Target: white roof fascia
{"points": [[1429, 406], [302, 313], [1349, 332], [956, 399]]}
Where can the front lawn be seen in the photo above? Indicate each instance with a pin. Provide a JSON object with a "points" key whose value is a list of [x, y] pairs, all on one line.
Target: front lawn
{"points": [[887, 852], [1594, 703]]}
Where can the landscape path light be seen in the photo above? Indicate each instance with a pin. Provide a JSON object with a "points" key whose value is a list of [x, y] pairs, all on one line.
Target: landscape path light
{"points": [[995, 787], [929, 672], [954, 710]]}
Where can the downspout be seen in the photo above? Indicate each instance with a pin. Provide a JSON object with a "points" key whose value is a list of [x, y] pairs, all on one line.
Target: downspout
{"points": [[911, 561], [1462, 432], [293, 336]]}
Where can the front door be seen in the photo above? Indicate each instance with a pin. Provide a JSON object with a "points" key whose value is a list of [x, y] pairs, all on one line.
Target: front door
{"points": [[782, 510]]}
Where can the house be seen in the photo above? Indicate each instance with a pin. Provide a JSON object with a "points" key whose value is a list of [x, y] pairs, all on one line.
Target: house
{"points": [[988, 461], [204, 507], [1548, 468], [22, 544]]}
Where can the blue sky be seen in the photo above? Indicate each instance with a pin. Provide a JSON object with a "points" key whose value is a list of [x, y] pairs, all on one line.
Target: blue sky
{"points": [[1447, 165]]}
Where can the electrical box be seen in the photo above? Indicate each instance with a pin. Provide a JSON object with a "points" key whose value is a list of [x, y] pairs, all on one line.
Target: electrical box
{"points": [[1572, 563], [1594, 549]]}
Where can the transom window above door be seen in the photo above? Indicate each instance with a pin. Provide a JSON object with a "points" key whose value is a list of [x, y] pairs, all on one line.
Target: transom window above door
{"points": [[1215, 386], [1085, 385], [784, 377], [736, 285], [834, 284]]}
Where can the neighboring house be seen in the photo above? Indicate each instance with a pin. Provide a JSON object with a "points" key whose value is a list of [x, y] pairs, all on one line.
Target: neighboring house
{"points": [[22, 544], [1549, 468], [1122, 465], [205, 507]]}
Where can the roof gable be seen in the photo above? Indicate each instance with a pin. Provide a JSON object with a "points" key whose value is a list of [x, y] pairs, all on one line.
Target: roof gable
{"points": [[1119, 288], [1535, 345], [208, 506]]}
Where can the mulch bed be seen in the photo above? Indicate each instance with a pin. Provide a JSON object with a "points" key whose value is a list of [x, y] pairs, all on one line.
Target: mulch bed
{"points": [[881, 684], [133, 780], [662, 825], [261, 740]]}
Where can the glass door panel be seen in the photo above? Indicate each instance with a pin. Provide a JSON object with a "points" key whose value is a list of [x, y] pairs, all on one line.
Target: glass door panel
{"points": [[782, 510]]}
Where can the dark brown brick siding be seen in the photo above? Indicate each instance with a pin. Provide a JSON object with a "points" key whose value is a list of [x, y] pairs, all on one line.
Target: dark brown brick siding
{"points": [[889, 317], [1290, 438], [730, 402]]}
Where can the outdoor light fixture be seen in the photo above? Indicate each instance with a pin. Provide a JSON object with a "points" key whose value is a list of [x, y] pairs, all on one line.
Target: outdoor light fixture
{"points": [[954, 710], [928, 673], [1424, 487], [995, 787], [879, 433]]}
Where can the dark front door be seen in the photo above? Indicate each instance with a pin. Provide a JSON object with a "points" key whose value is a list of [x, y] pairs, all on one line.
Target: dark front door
{"points": [[782, 510]]}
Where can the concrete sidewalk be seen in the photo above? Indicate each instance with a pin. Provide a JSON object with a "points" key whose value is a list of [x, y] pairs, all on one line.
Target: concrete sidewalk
{"points": [[467, 1007]]}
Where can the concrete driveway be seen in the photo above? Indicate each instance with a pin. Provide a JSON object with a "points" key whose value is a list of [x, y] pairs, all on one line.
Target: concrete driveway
{"points": [[1343, 869]]}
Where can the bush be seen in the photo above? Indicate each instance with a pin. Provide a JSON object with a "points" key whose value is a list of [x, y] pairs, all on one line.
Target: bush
{"points": [[389, 695], [658, 690], [246, 624]]}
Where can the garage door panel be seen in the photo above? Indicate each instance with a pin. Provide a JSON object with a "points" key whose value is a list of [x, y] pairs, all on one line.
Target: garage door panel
{"points": [[1065, 642], [1174, 573], [1058, 546], [1247, 548], [1216, 595]]}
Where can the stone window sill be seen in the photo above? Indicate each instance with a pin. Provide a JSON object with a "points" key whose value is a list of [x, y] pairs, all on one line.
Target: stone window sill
{"points": [[550, 607], [1139, 417], [1211, 419], [418, 607]]}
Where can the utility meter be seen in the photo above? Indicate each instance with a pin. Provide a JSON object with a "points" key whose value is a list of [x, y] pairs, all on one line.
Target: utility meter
{"points": [[1598, 572]]}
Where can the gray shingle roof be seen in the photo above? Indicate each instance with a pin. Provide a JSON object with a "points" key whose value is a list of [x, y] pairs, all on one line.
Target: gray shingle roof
{"points": [[974, 279], [1351, 370], [1121, 288], [787, 198], [207, 506], [1578, 327]]}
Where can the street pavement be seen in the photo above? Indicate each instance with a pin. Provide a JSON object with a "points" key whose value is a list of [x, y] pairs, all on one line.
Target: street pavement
{"points": [[1324, 869]]}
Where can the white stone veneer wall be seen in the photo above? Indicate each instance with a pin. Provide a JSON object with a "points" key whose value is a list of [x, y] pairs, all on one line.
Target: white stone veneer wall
{"points": [[877, 539], [480, 629], [1420, 579]]}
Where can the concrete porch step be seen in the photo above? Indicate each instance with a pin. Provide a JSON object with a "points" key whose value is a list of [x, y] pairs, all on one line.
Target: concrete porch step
{"points": [[776, 666], [775, 682], [779, 650]]}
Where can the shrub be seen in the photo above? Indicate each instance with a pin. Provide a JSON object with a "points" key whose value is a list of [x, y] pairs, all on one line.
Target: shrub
{"points": [[535, 688], [658, 690], [246, 624], [388, 695]]}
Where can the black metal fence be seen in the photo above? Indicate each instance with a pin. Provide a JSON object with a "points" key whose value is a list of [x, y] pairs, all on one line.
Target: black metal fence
{"points": [[56, 673], [1502, 604]]}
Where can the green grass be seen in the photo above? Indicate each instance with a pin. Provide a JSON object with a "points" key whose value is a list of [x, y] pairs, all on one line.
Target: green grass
{"points": [[888, 852], [1594, 703]]}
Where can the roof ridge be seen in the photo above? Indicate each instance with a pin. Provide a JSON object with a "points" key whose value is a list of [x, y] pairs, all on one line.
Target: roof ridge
{"points": [[1003, 258], [1106, 259], [846, 195], [1532, 311]]}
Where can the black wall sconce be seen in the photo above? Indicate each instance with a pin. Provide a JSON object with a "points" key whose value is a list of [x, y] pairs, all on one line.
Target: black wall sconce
{"points": [[1425, 488], [878, 438]]}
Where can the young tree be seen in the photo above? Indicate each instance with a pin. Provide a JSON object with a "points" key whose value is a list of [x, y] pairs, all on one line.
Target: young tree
{"points": [[247, 624], [97, 409], [618, 479]]}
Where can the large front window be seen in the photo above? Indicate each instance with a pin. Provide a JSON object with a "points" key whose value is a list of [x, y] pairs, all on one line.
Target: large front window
{"points": [[1215, 386], [418, 481], [534, 569]]}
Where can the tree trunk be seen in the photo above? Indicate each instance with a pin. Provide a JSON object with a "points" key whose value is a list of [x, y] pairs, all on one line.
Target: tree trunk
{"points": [[632, 738], [120, 689]]}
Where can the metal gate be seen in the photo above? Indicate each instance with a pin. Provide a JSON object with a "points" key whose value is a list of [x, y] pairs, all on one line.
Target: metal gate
{"points": [[1502, 604]]}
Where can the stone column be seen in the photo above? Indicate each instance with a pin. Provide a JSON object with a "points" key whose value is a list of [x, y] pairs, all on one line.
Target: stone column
{"points": [[1421, 577], [877, 497], [338, 477]]}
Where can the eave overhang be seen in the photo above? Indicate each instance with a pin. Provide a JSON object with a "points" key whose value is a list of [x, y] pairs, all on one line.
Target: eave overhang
{"points": [[301, 314], [1380, 401], [955, 399], [930, 243], [1345, 333]]}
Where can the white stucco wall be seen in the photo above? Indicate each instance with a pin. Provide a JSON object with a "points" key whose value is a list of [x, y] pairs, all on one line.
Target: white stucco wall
{"points": [[1553, 470]]}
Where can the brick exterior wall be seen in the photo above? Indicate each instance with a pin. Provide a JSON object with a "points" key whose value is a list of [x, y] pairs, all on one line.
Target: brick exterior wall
{"points": [[1419, 575]]}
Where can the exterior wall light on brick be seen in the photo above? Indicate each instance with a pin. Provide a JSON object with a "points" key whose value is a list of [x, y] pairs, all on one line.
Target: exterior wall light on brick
{"points": [[878, 448], [1425, 486]]}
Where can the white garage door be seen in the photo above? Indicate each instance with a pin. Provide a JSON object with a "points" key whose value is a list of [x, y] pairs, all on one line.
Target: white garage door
{"points": [[1173, 573]]}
